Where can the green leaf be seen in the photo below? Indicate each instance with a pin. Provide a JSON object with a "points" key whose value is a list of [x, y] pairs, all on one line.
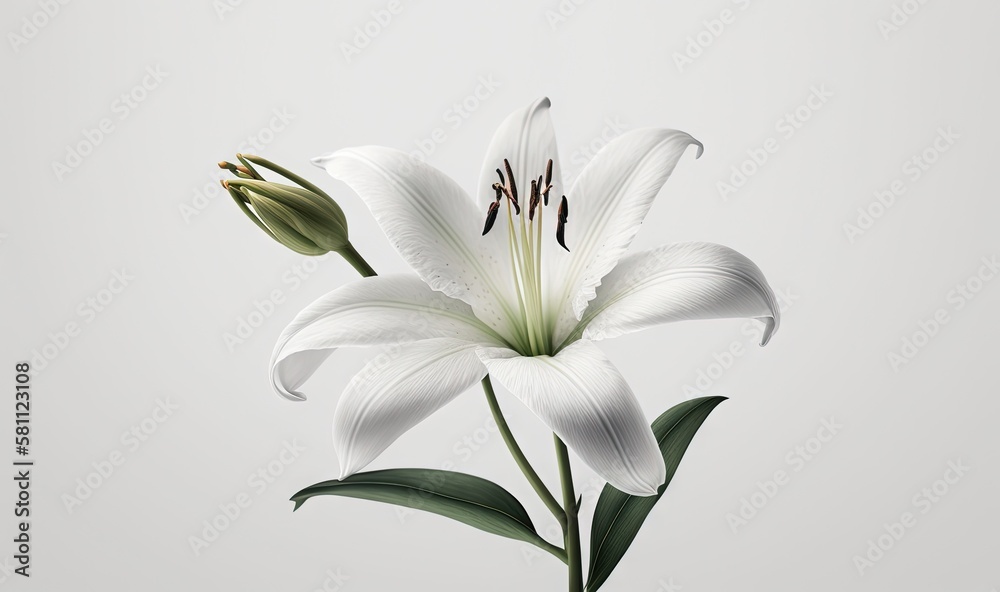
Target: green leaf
{"points": [[618, 515], [466, 498]]}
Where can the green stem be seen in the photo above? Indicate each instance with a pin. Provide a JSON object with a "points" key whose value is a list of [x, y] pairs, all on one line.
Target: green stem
{"points": [[572, 530], [351, 255], [556, 551], [522, 461]]}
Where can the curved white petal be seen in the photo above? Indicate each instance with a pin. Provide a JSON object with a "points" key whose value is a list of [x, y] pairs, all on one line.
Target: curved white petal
{"points": [[680, 282], [434, 226], [586, 401], [397, 390], [371, 311], [528, 140], [606, 206]]}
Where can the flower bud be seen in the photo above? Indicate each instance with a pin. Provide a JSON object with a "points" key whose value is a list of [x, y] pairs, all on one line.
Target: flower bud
{"points": [[303, 218]]}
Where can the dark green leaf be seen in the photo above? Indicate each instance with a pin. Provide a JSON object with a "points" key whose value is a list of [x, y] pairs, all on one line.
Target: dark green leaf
{"points": [[466, 498], [618, 515]]}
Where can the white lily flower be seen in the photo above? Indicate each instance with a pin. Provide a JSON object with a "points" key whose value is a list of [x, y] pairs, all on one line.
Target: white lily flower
{"points": [[514, 301]]}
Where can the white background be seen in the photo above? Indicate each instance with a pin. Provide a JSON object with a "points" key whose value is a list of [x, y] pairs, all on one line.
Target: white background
{"points": [[144, 199]]}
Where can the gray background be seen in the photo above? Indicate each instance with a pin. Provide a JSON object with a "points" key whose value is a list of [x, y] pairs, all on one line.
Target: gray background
{"points": [[229, 65]]}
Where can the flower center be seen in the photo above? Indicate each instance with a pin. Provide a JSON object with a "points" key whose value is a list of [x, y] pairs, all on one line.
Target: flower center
{"points": [[524, 240]]}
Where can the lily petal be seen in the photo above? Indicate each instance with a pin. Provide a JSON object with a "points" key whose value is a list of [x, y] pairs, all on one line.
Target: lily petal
{"points": [[398, 390], [583, 398], [527, 139], [608, 202], [680, 282], [377, 310], [435, 227]]}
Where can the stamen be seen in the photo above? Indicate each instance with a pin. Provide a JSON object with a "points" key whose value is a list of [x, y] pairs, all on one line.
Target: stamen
{"points": [[563, 216], [511, 185], [533, 202], [502, 190], [491, 216], [548, 181], [525, 244]]}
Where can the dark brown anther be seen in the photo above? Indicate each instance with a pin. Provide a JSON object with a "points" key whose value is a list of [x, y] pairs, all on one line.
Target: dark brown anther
{"points": [[533, 202], [502, 180], [501, 191], [548, 173], [543, 190], [511, 184], [563, 216], [491, 216]]}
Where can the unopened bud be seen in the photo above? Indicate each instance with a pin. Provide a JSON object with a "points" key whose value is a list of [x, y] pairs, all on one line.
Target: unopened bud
{"points": [[303, 218]]}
